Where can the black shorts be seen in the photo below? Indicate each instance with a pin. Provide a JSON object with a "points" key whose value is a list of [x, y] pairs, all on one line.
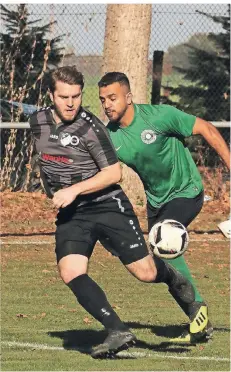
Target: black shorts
{"points": [[112, 222], [183, 210]]}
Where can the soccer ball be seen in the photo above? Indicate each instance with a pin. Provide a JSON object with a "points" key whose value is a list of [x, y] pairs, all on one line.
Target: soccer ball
{"points": [[168, 239]]}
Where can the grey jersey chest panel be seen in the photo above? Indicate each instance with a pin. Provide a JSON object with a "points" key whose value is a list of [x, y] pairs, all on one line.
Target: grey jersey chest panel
{"points": [[71, 153]]}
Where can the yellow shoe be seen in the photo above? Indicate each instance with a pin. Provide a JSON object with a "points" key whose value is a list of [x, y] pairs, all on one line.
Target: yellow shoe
{"points": [[200, 321], [197, 337]]}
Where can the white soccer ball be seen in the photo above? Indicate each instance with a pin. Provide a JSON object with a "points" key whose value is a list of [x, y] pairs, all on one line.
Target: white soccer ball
{"points": [[168, 239]]}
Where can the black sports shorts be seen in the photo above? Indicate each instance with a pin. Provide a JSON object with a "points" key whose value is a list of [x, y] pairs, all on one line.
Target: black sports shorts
{"points": [[183, 210], [113, 222]]}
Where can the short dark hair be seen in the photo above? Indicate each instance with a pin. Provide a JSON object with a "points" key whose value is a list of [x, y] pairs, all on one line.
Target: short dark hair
{"points": [[114, 77], [66, 74]]}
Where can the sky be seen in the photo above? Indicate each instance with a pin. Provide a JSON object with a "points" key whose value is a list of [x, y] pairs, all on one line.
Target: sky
{"points": [[84, 24]]}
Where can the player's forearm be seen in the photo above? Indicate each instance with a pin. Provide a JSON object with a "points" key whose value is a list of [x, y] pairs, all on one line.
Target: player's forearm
{"points": [[106, 177], [216, 141]]}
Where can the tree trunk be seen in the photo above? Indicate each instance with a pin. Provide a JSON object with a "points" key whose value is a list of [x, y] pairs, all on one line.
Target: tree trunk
{"points": [[126, 47], [126, 44]]}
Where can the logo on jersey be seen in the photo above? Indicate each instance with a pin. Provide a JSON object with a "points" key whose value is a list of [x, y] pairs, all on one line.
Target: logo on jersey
{"points": [[67, 139], [134, 246], [56, 158], [148, 136], [54, 136]]}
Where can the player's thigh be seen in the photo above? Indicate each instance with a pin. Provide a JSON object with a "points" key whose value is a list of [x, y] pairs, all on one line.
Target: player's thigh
{"points": [[119, 230], [183, 210], [75, 236]]}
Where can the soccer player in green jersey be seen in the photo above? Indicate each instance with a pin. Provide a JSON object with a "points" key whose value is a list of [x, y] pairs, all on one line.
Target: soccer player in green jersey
{"points": [[150, 140]]}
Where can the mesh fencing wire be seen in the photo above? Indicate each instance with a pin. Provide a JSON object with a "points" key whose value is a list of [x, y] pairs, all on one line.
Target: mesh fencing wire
{"points": [[176, 30]]}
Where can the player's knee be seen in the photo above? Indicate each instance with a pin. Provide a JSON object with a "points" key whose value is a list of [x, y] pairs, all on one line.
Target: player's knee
{"points": [[72, 266], [148, 271], [67, 275], [144, 269], [147, 275]]}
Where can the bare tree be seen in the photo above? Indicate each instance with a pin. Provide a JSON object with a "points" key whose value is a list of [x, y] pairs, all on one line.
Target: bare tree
{"points": [[127, 34]]}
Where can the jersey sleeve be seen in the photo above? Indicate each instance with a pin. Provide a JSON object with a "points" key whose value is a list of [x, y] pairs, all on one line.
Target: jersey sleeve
{"points": [[100, 145], [178, 122]]}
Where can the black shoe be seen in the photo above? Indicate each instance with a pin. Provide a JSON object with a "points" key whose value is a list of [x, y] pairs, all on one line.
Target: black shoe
{"points": [[116, 341]]}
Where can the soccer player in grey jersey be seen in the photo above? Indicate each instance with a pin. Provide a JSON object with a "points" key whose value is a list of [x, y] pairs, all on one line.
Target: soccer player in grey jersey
{"points": [[79, 171]]}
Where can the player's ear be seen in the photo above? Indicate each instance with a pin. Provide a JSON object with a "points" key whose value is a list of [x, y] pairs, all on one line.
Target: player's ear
{"points": [[129, 98]]}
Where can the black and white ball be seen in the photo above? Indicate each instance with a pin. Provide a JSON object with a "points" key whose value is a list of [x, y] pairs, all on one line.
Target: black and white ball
{"points": [[168, 239]]}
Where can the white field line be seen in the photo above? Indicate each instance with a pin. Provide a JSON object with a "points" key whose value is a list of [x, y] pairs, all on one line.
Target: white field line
{"points": [[134, 354], [41, 242], [26, 242]]}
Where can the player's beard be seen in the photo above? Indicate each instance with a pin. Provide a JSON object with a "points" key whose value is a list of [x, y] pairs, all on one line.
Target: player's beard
{"points": [[119, 116], [62, 117]]}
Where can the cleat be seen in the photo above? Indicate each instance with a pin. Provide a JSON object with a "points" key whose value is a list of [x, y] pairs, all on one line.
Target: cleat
{"points": [[185, 337], [115, 342], [193, 338], [200, 321], [200, 327], [209, 331]]}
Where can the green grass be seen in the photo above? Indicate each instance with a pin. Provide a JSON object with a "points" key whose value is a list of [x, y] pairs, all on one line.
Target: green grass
{"points": [[38, 308]]}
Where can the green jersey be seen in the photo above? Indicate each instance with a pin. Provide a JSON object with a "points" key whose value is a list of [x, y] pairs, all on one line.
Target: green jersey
{"points": [[153, 146]]}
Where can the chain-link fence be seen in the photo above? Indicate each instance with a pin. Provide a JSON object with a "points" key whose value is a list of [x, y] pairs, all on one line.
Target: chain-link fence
{"points": [[192, 77]]}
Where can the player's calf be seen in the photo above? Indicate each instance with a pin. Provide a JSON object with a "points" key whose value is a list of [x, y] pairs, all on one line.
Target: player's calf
{"points": [[180, 288]]}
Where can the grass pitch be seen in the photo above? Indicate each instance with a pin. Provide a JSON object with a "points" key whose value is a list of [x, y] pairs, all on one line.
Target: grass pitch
{"points": [[44, 329]]}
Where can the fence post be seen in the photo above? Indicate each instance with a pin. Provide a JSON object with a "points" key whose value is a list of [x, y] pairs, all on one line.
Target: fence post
{"points": [[158, 57]]}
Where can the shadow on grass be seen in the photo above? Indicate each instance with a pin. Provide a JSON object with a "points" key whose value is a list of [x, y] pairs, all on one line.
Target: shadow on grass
{"points": [[168, 331], [84, 340], [81, 340], [3, 235], [201, 232], [197, 232]]}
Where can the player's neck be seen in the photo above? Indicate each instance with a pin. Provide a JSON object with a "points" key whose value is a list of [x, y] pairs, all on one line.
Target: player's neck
{"points": [[128, 116], [56, 117]]}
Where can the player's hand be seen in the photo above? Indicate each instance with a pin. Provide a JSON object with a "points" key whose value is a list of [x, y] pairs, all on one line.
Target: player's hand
{"points": [[64, 197]]}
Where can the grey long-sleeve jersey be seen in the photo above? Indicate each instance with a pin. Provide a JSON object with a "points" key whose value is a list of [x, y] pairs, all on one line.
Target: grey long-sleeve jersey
{"points": [[71, 153]]}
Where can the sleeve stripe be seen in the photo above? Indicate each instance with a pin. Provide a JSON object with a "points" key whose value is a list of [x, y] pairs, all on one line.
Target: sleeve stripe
{"points": [[105, 142]]}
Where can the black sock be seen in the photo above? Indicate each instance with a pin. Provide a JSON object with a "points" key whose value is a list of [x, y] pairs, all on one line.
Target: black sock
{"points": [[93, 299], [163, 275], [180, 288]]}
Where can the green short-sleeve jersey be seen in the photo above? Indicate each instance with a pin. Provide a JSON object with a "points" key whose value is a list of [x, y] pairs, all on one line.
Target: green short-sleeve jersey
{"points": [[153, 146]]}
